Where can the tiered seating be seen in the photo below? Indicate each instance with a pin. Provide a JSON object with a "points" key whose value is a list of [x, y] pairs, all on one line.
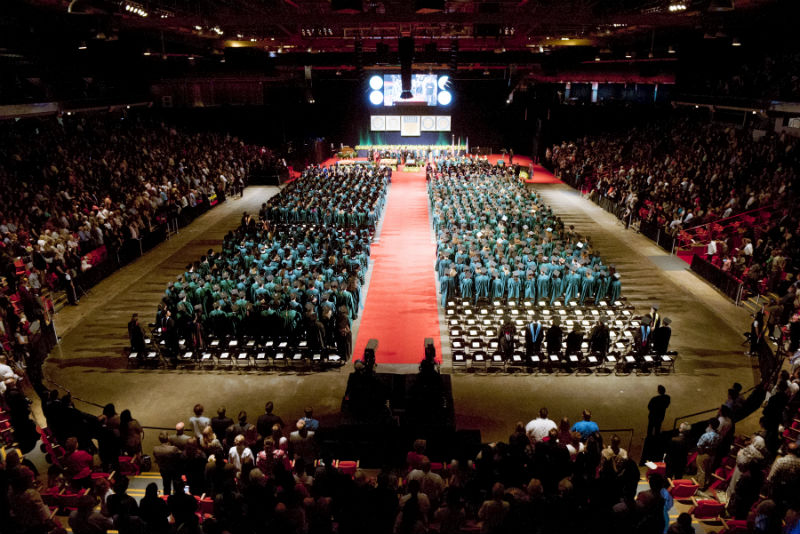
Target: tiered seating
{"points": [[474, 332]]}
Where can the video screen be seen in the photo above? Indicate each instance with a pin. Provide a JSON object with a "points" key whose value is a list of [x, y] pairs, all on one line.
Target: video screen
{"points": [[423, 87]]}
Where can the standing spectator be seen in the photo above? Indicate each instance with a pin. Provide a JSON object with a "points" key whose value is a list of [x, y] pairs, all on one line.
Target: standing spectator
{"points": [[239, 453], [220, 423], [706, 447], [199, 422], [131, 434], [493, 512], [537, 429], [180, 438], [311, 423], [168, 458], [657, 409], [267, 420], [302, 443], [586, 427]]}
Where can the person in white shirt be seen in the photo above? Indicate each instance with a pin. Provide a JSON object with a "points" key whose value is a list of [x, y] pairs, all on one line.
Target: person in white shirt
{"points": [[6, 373], [239, 453], [711, 250], [538, 428]]}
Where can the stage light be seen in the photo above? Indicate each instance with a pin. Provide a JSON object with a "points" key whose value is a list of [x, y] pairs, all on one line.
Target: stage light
{"points": [[376, 82], [444, 98], [443, 81], [376, 98]]}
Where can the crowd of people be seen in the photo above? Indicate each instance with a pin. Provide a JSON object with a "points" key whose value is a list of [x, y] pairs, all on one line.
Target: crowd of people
{"points": [[220, 474], [293, 271], [689, 173], [75, 184], [497, 240]]}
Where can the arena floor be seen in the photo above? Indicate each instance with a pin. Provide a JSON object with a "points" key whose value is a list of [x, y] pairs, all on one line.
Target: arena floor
{"points": [[707, 332]]}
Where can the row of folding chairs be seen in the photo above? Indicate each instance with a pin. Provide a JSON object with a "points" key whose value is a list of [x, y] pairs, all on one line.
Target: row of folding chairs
{"points": [[275, 356], [560, 363]]}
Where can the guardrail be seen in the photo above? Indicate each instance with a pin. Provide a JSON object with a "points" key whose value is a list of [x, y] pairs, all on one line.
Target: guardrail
{"points": [[724, 281]]}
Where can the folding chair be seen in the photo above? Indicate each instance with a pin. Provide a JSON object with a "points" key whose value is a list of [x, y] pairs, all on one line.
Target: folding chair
{"points": [[497, 361], [186, 358], [334, 358], [261, 360], [242, 360], [683, 489], [535, 362], [479, 358], [224, 358], [459, 359], [706, 509], [347, 467]]}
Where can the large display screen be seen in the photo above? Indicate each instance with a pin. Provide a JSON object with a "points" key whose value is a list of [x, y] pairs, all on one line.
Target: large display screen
{"points": [[423, 86]]}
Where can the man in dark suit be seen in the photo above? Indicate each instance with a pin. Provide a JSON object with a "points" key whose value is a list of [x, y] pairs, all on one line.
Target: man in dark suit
{"points": [[507, 340], [136, 334], [534, 334], [220, 424], [599, 338], [554, 336], [657, 409], [267, 419], [661, 336], [167, 457]]}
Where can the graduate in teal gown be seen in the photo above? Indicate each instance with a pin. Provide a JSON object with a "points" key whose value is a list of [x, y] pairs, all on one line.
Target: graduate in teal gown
{"points": [[556, 285], [530, 286], [513, 287], [543, 284], [587, 286], [482, 285], [572, 285], [602, 284], [467, 285], [616, 288], [498, 288]]}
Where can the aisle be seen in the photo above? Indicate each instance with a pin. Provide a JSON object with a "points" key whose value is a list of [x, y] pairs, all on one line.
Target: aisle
{"points": [[400, 310]]}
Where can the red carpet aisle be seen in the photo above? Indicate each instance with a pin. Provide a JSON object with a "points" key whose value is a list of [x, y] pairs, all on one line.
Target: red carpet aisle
{"points": [[400, 311]]}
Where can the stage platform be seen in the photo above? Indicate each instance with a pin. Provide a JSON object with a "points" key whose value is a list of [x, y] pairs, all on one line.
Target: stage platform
{"points": [[540, 174]]}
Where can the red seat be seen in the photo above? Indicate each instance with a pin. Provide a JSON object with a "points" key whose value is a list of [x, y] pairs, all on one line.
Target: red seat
{"points": [[128, 466], [660, 469], [734, 526], [346, 467], [706, 509], [683, 488]]}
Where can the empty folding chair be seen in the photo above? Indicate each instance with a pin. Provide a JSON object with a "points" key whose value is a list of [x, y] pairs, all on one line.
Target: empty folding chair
{"points": [[206, 359], [683, 489], [706, 509], [186, 358], [261, 360], [242, 360], [459, 359]]}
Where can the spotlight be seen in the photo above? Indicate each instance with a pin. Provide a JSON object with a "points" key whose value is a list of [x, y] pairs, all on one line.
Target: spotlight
{"points": [[376, 82], [82, 46], [670, 50], [443, 81], [444, 98], [597, 58], [376, 98], [736, 42]]}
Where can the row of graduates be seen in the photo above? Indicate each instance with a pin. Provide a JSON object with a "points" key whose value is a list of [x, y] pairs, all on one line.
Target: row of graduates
{"points": [[580, 283], [346, 196], [497, 240], [270, 275]]}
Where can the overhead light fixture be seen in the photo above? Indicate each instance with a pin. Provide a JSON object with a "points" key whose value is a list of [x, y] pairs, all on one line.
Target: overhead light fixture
{"points": [[565, 38], [82, 46], [147, 53], [376, 98], [628, 55], [736, 42], [253, 39], [376, 82], [677, 7], [486, 72], [597, 58], [670, 50]]}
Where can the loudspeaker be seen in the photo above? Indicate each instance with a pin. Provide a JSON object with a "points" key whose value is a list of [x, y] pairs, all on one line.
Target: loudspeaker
{"points": [[453, 58], [405, 51], [347, 6], [429, 6]]}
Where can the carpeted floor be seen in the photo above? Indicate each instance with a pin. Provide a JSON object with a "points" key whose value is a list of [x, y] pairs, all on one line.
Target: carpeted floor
{"points": [[401, 311]]}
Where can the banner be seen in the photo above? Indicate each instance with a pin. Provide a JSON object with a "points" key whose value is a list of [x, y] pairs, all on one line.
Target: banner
{"points": [[409, 126], [378, 123]]}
